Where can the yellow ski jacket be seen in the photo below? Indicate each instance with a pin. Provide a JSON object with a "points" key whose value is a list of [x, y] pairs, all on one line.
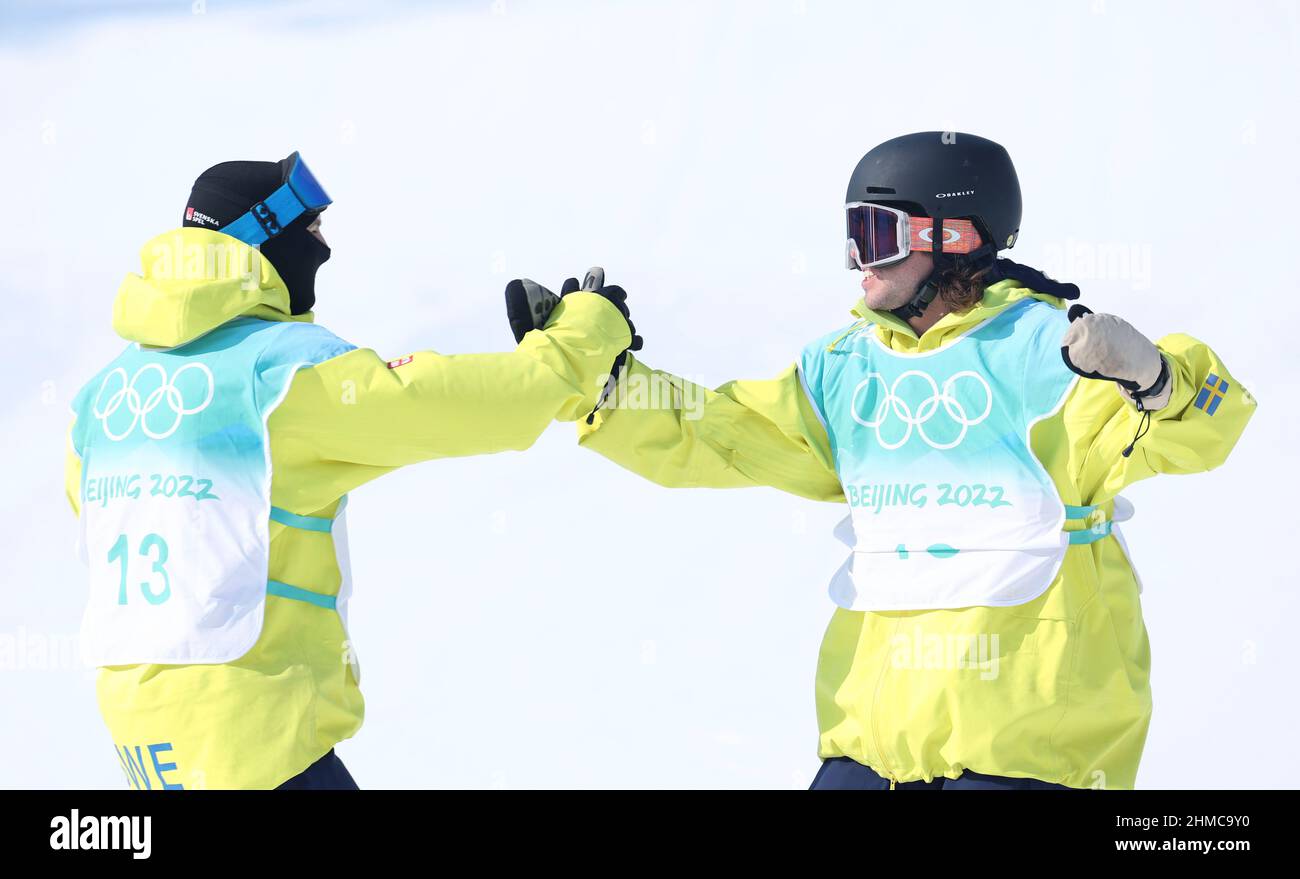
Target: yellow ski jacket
{"points": [[260, 720], [1063, 694]]}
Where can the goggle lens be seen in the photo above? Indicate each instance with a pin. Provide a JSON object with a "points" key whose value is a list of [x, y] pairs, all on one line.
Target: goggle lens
{"points": [[873, 231], [305, 185]]}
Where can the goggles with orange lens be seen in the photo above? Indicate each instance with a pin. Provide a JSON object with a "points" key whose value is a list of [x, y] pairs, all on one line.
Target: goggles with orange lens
{"points": [[880, 235]]}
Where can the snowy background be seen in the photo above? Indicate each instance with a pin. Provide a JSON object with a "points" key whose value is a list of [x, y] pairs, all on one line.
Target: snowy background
{"points": [[546, 619]]}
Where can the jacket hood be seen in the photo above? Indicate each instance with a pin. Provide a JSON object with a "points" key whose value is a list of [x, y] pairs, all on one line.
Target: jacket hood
{"points": [[898, 335], [193, 281]]}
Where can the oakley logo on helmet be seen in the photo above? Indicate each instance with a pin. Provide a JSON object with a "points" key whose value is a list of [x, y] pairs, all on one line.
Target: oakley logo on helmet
{"points": [[883, 402], [127, 393], [953, 194]]}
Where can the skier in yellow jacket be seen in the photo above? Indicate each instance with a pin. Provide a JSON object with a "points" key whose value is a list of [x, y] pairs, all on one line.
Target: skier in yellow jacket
{"points": [[210, 464], [989, 631]]}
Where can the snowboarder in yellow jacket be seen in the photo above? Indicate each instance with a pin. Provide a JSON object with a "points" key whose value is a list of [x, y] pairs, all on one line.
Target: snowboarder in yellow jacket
{"points": [[988, 630], [210, 464]]}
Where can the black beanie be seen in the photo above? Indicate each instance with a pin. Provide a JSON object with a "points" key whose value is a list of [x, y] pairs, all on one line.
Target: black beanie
{"points": [[225, 192]]}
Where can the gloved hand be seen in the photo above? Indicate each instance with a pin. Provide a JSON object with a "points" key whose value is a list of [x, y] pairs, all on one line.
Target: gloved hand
{"points": [[594, 282], [529, 306], [1103, 346]]}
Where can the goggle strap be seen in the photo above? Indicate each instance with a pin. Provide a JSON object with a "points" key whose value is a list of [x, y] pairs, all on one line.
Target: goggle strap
{"points": [[928, 289], [267, 218], [968, 238]]}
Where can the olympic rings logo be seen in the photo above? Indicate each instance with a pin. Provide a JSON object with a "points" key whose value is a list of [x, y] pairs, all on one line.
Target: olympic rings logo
{"points": [[125, 393], [889, 403]]}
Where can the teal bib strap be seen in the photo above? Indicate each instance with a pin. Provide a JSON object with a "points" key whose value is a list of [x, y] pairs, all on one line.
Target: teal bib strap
{"points": [[296, 593], [304, 523], [307, 523], [1088, 535]]}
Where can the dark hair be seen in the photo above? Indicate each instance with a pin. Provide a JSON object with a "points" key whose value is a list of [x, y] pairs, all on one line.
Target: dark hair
{"points": [[961, 287]]}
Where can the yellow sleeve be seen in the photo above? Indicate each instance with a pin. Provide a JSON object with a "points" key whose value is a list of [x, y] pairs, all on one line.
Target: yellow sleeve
{"points": [[72, 474], [745, 433], [356, 417], [1206, 414]]}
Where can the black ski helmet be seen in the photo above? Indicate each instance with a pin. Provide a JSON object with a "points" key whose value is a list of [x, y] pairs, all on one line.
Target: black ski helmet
{"points": [[944, 175]]}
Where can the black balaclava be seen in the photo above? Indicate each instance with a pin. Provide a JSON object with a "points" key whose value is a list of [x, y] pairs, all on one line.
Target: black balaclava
{"points": [[225, 192]]}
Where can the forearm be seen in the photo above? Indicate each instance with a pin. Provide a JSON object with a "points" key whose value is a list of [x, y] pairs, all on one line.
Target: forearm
{"points": [[682, 435], [1194, 432], [360, 409]]}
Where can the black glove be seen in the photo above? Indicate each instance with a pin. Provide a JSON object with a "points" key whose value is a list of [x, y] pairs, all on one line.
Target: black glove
{"points": [[529, 306]]}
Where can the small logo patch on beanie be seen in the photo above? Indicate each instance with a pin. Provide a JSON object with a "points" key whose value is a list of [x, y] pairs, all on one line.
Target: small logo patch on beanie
{"points": [[193, 216]]}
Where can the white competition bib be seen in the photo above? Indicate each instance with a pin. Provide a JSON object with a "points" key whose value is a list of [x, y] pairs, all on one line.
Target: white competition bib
{"points": [[175, 494], [949, 507]]}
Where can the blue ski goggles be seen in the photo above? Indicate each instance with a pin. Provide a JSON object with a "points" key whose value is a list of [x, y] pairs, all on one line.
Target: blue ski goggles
{"points": [[300, 193]]}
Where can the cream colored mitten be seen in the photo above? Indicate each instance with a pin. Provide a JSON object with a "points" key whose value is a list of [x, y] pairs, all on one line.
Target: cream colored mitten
{"points": [[1108, 347]]}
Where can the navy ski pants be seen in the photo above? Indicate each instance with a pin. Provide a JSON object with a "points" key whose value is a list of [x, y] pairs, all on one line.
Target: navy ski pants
{"points": [[327, 773], [841, 773]]}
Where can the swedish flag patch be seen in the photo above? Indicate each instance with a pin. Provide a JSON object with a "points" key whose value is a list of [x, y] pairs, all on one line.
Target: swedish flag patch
{"points": [[1211, 394]]}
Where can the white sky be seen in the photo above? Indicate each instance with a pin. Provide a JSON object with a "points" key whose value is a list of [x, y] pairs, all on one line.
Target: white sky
{"points": [[546, 619]]}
